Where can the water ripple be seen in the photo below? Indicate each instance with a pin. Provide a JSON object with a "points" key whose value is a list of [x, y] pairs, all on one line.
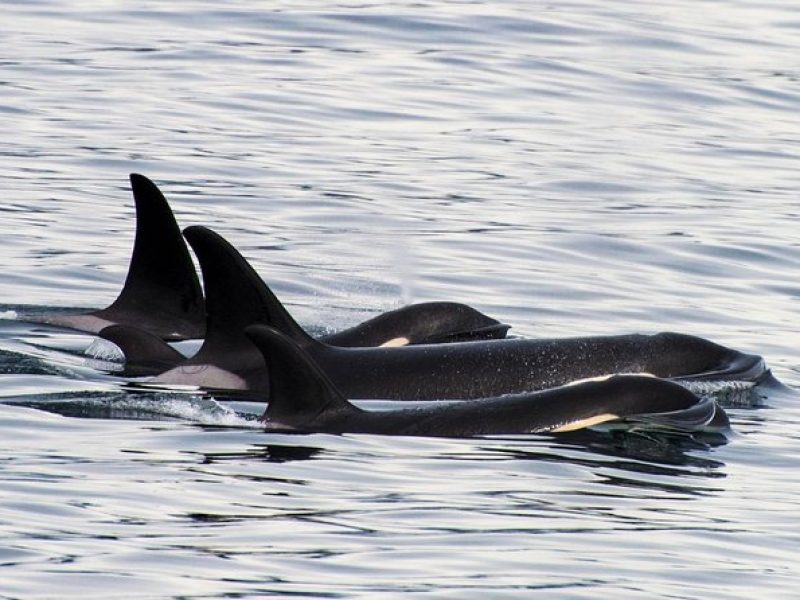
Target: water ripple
{"points": [[581, 168]]}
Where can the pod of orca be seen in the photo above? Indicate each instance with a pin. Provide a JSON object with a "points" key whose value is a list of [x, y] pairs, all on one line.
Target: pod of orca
{"points": [[431, 351]]}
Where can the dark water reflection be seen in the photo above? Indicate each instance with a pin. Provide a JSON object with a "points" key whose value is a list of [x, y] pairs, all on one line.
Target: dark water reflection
{"points": [[645, 453], [269, 452]]}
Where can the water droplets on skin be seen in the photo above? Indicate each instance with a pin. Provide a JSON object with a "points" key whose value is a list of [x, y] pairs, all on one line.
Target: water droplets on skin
{"points": [[577, 169]]}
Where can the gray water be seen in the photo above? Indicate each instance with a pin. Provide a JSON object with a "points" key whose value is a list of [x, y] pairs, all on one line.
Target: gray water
{"points": [[570, 168]]}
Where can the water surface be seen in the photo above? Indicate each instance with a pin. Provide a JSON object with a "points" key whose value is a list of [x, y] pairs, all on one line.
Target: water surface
{"points": [[573, 168]]}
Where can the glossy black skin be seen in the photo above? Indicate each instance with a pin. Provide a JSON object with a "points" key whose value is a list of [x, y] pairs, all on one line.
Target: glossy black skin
{"points": [[162, 294], [422, 323], [423, 372], [489, 368], [430, 322], [302, 398]]}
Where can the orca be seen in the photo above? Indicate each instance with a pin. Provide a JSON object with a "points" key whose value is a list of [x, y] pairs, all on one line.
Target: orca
{"points": [[162, 293], [302, 398], [422, 323], [236, 297], [162, 297]]}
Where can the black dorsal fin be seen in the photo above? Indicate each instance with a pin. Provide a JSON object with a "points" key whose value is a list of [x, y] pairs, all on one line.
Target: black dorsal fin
{"points": [[235, 298], [145, 353], [300, 391], [162, 292]]}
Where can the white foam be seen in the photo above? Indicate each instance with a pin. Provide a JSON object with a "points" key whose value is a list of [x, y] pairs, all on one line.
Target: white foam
{"points": [[8, 314], [104, 350], [205, 411], [727, 393], [713, 387]]}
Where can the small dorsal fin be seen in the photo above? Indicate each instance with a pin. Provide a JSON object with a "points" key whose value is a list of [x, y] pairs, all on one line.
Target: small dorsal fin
{"points": [[145, 353], [162, 292], [300, 391]]}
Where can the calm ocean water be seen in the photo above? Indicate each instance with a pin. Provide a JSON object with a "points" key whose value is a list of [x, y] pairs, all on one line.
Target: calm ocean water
{"points": [[572, 168]]}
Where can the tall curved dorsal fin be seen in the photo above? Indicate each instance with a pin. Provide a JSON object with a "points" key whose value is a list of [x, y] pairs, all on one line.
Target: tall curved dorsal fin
{"points": [[162, 282], [162, 293], [235, 298]]}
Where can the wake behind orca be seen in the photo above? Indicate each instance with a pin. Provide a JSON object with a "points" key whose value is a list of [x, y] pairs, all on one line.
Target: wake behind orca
{"points": [[302, 398], [236, 298], [162, 297]]}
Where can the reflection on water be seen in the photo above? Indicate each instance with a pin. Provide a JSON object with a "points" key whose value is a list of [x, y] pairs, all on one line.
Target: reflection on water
{"points": [[268, 452], [649, 452], [21, 363]]}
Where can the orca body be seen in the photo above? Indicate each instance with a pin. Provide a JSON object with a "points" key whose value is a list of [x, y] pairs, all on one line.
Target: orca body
{"points": [[162, 293], [236, 298], [302, 398], [422, 323]]}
